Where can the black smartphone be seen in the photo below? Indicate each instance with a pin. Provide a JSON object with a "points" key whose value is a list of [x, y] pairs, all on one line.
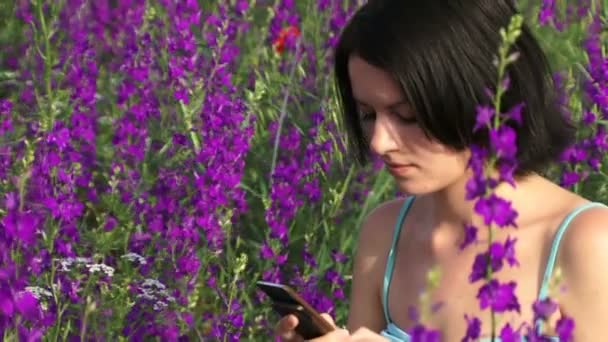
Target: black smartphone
{"points": [[286, 301]]}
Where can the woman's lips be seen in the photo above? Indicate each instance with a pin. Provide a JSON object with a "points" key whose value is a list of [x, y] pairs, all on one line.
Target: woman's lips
{"points": [[400, 169]]}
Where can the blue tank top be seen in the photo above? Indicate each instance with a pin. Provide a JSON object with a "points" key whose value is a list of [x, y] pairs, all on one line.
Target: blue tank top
{"points": [[396, 334]]}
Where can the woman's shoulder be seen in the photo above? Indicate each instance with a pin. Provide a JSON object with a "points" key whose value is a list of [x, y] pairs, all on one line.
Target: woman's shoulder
{"points": [[384, 214], [586, 235], [376, 230], [583, 256], [375, 236], [582, 220]]}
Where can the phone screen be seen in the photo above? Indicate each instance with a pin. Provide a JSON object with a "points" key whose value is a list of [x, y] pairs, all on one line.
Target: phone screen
{"points": [[286, 301]]}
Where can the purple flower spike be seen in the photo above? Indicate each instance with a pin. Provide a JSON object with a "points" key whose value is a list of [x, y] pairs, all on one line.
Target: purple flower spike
{"points": [[499, 297]]}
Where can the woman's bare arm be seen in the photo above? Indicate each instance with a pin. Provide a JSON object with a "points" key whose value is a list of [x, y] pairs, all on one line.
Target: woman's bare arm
{"points": [[584, 260], [368, 271]]}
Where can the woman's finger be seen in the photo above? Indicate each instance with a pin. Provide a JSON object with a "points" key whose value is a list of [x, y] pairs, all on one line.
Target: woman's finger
{"points": [[338, 335], [329, 319], [285, 329], [365, 335]]}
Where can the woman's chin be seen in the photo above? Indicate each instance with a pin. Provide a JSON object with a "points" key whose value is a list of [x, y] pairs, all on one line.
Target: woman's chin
{"points": [[411, 187]]}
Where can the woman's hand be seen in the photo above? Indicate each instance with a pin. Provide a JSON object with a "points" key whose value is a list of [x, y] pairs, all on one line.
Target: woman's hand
{"points": [[365, 335], [285, 329]]}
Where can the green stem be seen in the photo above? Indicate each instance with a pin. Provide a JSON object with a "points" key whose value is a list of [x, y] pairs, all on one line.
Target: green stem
{"points": [[83, 329], [502, 64], [283, 114], [48, 64]]}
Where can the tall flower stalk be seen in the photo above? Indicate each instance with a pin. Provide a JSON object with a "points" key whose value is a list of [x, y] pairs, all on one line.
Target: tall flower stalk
{"points": [[493, 295]]}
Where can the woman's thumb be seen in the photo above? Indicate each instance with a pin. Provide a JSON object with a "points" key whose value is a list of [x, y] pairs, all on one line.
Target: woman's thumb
{"points": [[328, 318]]}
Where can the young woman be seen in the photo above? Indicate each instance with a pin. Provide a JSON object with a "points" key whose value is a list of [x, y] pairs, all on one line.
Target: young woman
{"points": [[409, 75]]}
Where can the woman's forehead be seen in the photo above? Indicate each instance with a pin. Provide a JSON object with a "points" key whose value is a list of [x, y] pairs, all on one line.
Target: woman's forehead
{"points": [[372, 85]]}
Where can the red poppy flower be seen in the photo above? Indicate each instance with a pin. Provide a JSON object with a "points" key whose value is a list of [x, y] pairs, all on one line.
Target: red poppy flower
{"points": [[286, 32]]}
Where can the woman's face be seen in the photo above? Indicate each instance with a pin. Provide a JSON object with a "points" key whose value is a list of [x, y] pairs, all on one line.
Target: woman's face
{"points": [[419, 165]]}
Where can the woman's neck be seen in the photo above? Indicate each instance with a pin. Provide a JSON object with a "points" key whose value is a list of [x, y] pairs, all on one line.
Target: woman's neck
{"points": [[449, 205]]}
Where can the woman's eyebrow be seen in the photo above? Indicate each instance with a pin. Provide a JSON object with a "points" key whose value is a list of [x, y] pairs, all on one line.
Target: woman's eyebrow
{"points": [[390, 106]]}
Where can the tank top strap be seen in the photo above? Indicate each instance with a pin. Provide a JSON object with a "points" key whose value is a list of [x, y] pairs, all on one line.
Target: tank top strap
{"points": [[561, 230], [390, 262]]}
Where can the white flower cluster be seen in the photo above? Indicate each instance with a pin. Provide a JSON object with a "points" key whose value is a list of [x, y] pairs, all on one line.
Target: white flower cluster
{"points": [[155, 291], [107, 270], [39, 292], [67, 263], [135, 257]]}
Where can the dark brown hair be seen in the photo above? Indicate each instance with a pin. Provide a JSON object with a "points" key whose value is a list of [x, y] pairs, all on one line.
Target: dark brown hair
{"points": [[442, 53]]}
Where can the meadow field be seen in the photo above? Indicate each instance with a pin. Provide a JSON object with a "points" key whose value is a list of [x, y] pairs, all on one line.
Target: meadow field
{"points": [[159, 157]]}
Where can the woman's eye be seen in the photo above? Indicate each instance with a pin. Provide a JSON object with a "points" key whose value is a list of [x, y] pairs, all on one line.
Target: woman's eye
{"points": [[408, 120], [369, 116], [366, 116]]}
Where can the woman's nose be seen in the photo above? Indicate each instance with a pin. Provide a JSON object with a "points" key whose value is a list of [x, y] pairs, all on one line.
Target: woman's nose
{"points": [[383, 135]]}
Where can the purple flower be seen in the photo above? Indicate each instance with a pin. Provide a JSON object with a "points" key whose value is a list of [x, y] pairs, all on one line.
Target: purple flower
{"points": [[515, 113], [5, 107], [499, 297], [589, 117], [27, 305], [564, 328], [309, 258], [484, 116], [338, 294], [507, 334], [497, 254], [110, 223], [506, 170], [496, 210], [480, 267], [543, 309], [242, 6], [475, 187], [338, 256], [7, 306], [478, 159], [420, 333], [503, 141], [470, 236], [473, 329], [5, 117], [509, 251], [21, 226], [323, 4], [569, 178], [24, 12], [334, 277], [547, 12], [266, 251]]}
